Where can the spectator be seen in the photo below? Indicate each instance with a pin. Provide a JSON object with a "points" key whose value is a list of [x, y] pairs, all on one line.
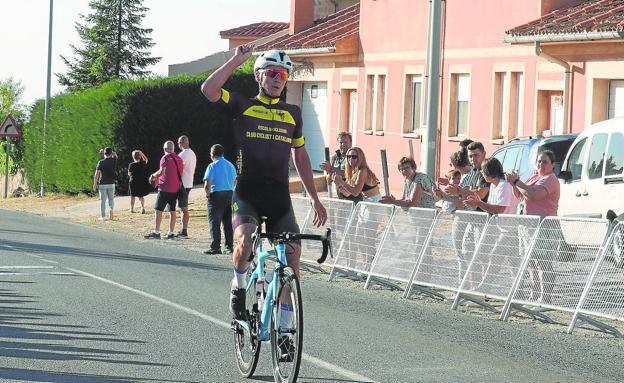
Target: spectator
{"points": [[360, 182], [417, 188], [454, 178], [337, 163], [540, 194], [138, 183], [219, 187], [189, 160], [169, 177], [501, 199], [465, 234], [460, 162], [104, 181], [464, 144]]}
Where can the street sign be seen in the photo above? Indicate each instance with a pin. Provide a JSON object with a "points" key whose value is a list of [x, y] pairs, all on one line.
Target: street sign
{"points": [[9, 128]]}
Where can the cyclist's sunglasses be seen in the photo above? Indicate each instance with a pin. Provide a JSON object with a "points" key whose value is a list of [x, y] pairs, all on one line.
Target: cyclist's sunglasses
{"points": [[352, 156], [281, 72]]}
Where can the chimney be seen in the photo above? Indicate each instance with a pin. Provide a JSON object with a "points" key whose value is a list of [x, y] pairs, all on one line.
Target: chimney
{"points": [[301, 15]]}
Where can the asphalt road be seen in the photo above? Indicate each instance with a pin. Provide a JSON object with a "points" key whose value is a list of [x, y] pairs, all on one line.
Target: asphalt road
{"points": [[78, 304]]}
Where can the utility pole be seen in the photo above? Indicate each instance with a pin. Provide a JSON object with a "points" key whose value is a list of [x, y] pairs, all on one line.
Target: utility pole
{"points": [[429, 141], [47, 99]]}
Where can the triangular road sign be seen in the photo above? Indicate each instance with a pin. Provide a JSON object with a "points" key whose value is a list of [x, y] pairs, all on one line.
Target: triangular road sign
{"points": [[9, 128]]}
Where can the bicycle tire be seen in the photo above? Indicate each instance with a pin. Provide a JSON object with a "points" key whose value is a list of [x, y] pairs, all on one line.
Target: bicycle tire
{"points": [[247, 345], [286, 369]]}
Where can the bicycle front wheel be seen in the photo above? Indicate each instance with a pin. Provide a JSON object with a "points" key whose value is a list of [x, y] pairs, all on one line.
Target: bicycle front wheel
{"points": [[287, 329], [246, 341]]}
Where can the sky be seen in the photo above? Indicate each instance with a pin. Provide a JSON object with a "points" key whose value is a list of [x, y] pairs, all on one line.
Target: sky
{"points": [[184, 30]]}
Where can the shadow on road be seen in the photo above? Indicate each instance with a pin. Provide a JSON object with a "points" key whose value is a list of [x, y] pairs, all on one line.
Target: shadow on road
{"points": [[64, 250], [28, 332]]}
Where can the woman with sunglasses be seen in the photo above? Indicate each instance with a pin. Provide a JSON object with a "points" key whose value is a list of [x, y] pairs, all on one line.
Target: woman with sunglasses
{"points": [[360, 183], [417, 188]]}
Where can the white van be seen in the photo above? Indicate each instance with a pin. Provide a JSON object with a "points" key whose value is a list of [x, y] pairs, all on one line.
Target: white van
{"points": [[591, 177]]}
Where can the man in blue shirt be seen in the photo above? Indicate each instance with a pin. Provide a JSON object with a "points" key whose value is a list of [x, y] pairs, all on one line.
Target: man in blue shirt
{"points": [[219, 185]]}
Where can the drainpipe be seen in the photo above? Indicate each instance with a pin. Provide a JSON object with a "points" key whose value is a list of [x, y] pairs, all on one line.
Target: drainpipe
{"points": [[567, 79], [429, 137]]}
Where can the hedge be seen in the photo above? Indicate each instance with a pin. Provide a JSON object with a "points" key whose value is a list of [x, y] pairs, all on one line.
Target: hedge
{"points": [[125, 115]]}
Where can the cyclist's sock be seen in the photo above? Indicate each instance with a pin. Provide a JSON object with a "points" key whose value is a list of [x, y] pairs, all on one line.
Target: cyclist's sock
{"points": [[287, 314], [239, 278]]}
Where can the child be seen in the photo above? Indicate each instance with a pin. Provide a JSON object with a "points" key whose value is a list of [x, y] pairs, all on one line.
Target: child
{"points": [[454, 177]]}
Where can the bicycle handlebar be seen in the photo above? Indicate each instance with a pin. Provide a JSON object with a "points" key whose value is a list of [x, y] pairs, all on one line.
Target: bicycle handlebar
{"points": [[289, 237]]}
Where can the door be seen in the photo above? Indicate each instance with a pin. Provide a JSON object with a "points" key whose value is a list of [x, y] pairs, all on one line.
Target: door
{"points": [[313, 111], [353, 116], [556, 114], [616, 98], [592, 183]]}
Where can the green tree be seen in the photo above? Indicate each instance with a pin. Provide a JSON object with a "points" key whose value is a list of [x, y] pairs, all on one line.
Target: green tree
{"points": [[114, 45], [10, 103], [10, 94]]}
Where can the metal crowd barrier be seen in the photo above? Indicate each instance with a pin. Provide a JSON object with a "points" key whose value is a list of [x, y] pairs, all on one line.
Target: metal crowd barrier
{"points": [[448, 251], [557, 267], [497, 259], [567, 264], [338, 215], [364, 233], [604, 294], [398, 253]]}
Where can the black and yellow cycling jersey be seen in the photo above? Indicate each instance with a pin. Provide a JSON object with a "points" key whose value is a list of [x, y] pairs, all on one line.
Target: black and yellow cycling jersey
{"points": [[265, 131]]}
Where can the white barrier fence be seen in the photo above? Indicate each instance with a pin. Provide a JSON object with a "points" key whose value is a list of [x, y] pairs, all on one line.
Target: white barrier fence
{"points": [[398, 254], [572, 265]]}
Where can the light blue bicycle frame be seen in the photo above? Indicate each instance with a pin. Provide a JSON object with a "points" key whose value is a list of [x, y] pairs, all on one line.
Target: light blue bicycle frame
{"points": [[269, 307]]}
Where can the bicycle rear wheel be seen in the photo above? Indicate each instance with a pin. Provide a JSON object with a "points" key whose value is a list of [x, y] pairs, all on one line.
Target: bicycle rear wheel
{"points": [[246, 341], [287, 336]]}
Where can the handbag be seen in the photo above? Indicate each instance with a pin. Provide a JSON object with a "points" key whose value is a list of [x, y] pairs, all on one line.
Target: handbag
{"points": [[181, 188]]}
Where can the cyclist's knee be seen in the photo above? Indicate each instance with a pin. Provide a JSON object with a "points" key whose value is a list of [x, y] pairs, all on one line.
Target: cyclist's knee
{"points": [[293, 255], [242, 237]]}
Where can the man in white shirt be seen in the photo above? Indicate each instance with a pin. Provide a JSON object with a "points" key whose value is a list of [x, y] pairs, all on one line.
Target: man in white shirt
{"points": [[189, 159]]}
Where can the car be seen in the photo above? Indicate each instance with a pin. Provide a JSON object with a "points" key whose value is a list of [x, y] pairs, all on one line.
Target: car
{"points": [[592, 176], [520, 154]]}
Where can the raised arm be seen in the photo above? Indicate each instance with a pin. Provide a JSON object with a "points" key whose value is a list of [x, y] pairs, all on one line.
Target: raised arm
{"points": [[211, 88]]}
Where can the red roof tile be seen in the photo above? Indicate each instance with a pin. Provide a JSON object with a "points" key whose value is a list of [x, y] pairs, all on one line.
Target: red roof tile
{"points": [[325, 32], [257, 30], [589, 16]]}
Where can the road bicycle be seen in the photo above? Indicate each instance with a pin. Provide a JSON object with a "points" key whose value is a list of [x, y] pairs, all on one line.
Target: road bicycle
{"points": [[274, 307]]}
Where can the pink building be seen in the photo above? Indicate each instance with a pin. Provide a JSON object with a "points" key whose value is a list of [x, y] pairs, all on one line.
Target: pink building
{"points": [[508, 68]]}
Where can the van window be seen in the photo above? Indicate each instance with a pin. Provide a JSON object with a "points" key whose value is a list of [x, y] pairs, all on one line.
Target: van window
{"points": [[615, 155], [525, 160], [511, 157], [500, 155], [597, 150], [575, 161]]}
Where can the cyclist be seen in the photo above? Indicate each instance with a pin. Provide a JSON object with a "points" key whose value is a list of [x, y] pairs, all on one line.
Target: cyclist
{"points": [[267, 131]]}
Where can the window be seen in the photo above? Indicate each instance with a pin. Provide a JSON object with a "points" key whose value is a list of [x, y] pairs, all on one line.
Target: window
{"points": [[500, 92], [507, 105], [575, 161], [511, 158], [595, 163], [375, 102], [413, 104], [517, 103], [615, 155], [460, 104]]}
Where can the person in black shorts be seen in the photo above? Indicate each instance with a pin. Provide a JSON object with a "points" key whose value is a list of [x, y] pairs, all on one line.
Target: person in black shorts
{"points": [[267, 131]]}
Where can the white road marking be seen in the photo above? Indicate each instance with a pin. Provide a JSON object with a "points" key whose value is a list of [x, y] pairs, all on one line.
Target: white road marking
{"points": [[310, 359], [2, 273]]}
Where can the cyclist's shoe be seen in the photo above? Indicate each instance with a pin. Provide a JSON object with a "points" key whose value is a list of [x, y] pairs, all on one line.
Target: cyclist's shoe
{"points": [[182, 233], [286, 348], [169, 236], [237, 303], [152, 235]]}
